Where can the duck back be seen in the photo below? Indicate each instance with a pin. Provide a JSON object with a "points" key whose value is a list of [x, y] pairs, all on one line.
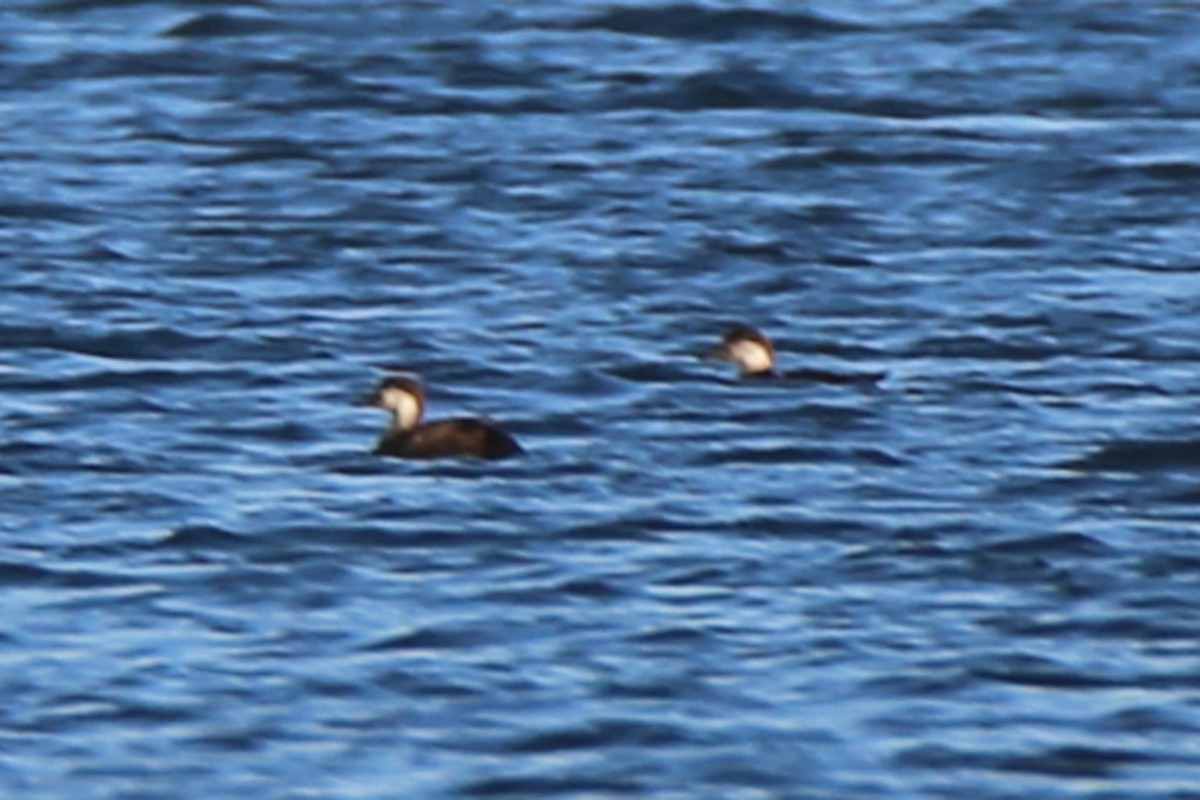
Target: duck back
{"points": [[471, 438]]}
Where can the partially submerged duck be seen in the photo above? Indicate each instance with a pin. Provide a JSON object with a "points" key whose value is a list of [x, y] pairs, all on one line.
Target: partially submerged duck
{"points": [[408, 437], [754, 355]]}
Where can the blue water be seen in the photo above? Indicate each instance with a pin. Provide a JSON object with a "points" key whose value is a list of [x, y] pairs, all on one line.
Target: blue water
{"points": [[220, 223]]}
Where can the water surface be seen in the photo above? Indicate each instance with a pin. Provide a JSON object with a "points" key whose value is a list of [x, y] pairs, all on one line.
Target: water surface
{"points": [[221, 222]]}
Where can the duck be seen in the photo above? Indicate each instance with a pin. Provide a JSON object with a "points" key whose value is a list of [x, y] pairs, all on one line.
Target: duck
{"points": [[754, 355], [408, 437]]}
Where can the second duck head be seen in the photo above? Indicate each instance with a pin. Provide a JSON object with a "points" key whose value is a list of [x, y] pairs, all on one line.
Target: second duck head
{"points": [[749, 349]]}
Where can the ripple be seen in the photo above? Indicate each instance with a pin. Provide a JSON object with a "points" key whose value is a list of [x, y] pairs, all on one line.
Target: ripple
{"points": [[695, 22], [1141, 455], [537, 786], [1029, 670], [1070, 545], [203, 538], [227, 220], [1090, 762], [599, 734], [221, 25]]}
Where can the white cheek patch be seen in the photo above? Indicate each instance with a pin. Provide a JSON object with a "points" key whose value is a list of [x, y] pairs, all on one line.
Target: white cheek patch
{"points": [[404, 405], [409, 411], [752, 356]]}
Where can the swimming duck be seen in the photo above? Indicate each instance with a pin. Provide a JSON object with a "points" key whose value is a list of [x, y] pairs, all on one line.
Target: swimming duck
{"points": [[754, 355], [408, 437]]}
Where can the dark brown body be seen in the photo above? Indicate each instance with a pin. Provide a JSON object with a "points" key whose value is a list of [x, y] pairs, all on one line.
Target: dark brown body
{"points": [[462, 437], [823, 376], [449, 438]]}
